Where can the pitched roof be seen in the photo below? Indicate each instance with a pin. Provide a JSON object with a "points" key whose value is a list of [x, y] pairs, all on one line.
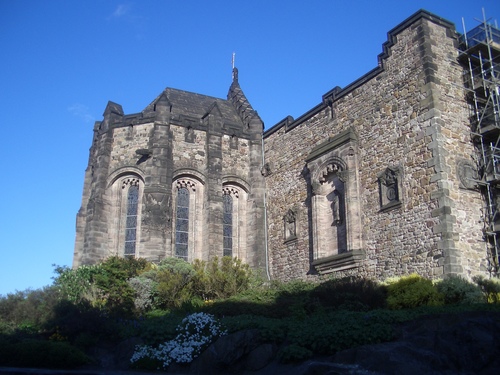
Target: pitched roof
{"points": [[195, 105]]}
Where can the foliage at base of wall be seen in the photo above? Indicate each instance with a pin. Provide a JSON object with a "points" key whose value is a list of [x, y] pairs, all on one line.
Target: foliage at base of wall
{"points": [[121, 299]]}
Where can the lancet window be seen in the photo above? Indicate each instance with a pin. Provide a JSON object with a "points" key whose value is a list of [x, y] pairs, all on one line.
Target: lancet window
{"points": [[188, 221], [131, 220], [182, 224], [227, 225]]}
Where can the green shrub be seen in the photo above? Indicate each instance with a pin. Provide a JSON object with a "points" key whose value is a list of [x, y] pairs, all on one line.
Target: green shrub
{"points": [[78, 284], [490, 288], [173, 278], [117, 296], [157, 327], [456, 290], [221, 278], [271, 329], [350, 293], [327, 333], [145, 292], [104, 286], [29, 308], [40, 353], [412, 291], [71, 320]]}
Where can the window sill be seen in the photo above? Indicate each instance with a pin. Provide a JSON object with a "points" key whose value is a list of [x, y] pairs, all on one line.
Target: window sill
{"points": [[339, 262]]}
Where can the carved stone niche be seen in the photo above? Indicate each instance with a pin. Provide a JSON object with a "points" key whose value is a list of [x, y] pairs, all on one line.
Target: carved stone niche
{"points": [[335, 204], [389, 183], [290, 225]]}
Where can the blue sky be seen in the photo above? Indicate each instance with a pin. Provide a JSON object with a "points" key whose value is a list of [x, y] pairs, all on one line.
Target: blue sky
{"points": [[61, 61]]}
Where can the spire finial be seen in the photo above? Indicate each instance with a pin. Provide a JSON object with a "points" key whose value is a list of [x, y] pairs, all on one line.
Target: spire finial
{"points": [[235, 70]]}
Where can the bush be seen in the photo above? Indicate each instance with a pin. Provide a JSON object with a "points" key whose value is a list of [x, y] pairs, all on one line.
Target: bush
{"points": [[350, 293], [218, 279], [40, 353], [77, 285], [117, 296], [490, 288], [29, 308], [145, 290], [327, 333], [457, 290], [412, 291], [72, 320], [174, 277]]}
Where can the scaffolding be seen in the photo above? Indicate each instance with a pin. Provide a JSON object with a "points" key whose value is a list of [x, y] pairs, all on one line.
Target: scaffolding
{"points": [[479, 53]]}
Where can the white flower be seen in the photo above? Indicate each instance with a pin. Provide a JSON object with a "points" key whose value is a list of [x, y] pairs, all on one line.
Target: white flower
{"points": [[196, 332]]}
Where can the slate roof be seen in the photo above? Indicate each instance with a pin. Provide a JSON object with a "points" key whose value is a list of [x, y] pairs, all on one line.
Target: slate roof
{"points": [[195, 105], [235, 110]]}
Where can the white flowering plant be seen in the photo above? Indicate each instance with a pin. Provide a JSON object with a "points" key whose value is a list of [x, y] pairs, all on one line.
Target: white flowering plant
{"points": [[195, 333]]}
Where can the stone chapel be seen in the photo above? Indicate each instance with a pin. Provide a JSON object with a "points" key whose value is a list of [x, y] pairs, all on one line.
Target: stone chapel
{"points": [[384, 177]]}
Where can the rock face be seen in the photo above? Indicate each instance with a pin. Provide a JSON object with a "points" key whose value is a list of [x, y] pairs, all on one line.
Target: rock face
{"points": [[450, 344], [446, 344], [467, 343], [233, 353]]}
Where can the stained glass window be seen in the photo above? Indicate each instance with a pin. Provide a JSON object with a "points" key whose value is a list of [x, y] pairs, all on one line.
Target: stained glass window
{"points": [[131, 220], [182, 224], [227, 225]]}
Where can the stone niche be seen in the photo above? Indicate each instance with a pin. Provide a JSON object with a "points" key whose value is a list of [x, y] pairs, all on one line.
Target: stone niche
{"points": [[335, 204], [389, 183]]}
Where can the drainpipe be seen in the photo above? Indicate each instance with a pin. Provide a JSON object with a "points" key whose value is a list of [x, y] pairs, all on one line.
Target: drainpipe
{"points": [[265, 214]]}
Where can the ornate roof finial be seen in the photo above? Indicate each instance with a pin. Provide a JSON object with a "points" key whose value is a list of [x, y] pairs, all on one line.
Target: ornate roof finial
{"points": [[235, 70]]}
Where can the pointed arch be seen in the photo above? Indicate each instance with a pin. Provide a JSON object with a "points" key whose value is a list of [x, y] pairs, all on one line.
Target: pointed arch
{"points": [[188, 217]]}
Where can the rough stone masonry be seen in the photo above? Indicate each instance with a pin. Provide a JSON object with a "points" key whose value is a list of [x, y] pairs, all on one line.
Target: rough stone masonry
{"points": [[366, 183]]}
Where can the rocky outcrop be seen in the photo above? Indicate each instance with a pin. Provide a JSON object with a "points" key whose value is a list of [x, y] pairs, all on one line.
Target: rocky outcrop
{"points": [[466, 343], [234, 353], [448, 344]]}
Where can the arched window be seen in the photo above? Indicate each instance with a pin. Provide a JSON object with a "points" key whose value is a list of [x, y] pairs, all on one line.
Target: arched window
{"points": [[188, 219], [234, 220], [182, 224], [227, 225], [131, 220]]}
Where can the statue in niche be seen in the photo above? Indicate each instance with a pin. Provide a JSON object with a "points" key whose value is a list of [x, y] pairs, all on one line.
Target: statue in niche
{"points": [[334, 198], [290, 227], [329, 213]]}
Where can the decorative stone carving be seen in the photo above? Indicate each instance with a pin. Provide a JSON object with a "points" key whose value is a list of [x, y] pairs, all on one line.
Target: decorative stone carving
{"points": [[155, 215], [389, 188], [189, 135], [186, 183], [233, 142], [265, 170], [131, 181], [229, 190], [289, 221], [467, 174]]}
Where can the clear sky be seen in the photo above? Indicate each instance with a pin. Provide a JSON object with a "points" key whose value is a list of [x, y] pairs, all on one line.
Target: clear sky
{"points": [[61, 61]]}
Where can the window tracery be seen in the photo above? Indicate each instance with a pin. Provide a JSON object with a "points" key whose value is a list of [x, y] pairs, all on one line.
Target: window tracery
{"points": [[128, 203], [234, 220], [227, 225], [182, 223]]}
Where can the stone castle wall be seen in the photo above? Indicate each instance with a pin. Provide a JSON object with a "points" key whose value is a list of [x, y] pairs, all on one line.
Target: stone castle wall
{"points": [[409, 114], [369, 182], [187, 141]]}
